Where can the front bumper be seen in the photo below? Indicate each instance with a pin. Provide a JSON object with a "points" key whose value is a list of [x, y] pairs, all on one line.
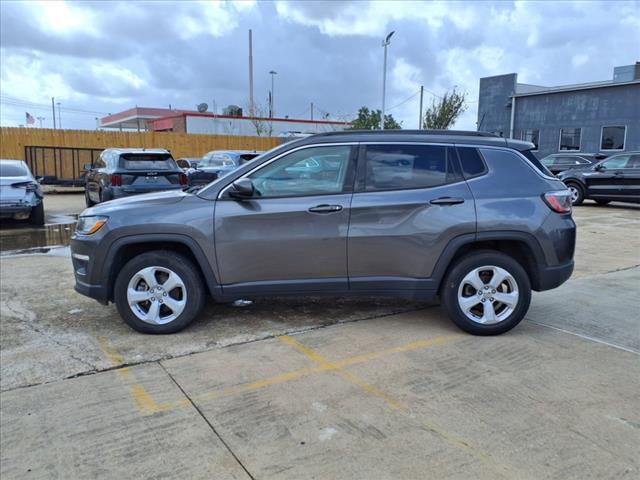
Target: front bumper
{"points": [[97, 292], [85, 255]]}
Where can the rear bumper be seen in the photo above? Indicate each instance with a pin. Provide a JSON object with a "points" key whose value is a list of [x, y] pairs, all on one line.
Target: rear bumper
{"points": [[552, 277]]}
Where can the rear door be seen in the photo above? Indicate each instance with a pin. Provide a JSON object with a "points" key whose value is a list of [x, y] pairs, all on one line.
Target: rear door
{"points": [[409, 204], [608, 181], [292, 234]]}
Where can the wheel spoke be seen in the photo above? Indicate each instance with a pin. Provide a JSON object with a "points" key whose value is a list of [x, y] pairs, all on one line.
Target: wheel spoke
{"points": [[489, 314], [172, 282], [153, 315], [509, 299], [148, 274], [499, 276], [467, 303], [135, 296], [176, 306], [474, 279]]}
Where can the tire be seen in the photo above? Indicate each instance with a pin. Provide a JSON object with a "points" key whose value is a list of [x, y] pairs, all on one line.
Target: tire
{"points": [[37, 214], [87, 199], [577, 193], [603, 202], [188, 296], [483, 266]]}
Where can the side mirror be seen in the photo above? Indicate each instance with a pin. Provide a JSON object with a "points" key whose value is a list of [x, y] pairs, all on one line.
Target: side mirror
{"points": [[242, 188], [39, 179], [88, 166], [599, 168]]}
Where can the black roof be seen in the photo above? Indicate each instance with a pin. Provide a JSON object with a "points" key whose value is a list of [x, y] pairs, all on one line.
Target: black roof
{"points": [[436, 136]]}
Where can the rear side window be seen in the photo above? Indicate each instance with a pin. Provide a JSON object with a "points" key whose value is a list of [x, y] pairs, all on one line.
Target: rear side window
{"points": [[11, 170], [472, 164], [536, 163], [148, 162], [398, 167]]}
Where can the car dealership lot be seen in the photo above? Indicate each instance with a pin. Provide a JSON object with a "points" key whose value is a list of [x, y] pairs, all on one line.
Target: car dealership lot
{"points": [[324, 388]]}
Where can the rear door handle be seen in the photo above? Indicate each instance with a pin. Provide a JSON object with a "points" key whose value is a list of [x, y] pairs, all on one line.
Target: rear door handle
{"points": [[447, 201], [324, 208]]}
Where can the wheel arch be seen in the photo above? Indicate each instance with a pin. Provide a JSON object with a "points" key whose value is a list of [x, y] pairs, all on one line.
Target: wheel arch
{"points": [[126, 248]]}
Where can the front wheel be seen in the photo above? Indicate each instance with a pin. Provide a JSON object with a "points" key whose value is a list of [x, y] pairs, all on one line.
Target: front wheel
{"points": [[577, 193], [486, 293], [159, 292]]}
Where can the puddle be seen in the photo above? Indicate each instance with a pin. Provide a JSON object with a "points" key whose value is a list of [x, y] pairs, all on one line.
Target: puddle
{"points": [[35, 240]]}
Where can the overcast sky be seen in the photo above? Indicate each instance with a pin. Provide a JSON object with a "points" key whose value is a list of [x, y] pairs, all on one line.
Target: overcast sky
{"points": [[104, 57]]}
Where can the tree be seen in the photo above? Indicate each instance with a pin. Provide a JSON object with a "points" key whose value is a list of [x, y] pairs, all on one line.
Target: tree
{"points": [[260, 123], [442, 114], [370, 120]]}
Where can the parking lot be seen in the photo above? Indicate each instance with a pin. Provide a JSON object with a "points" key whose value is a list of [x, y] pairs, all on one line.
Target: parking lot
{"points": [[323, 388]]}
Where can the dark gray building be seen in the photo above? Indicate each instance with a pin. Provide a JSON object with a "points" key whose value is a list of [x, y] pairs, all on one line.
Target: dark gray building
{"points": [[598, 117]]}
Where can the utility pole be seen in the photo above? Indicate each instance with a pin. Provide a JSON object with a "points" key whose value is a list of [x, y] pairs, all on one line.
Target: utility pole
{"points": [[385, 44], [421, 97], [59, 116], [251, 106], [53, 112], [312, 111], [273, 73]]}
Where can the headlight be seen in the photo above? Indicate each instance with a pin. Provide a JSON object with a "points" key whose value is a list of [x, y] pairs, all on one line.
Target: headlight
{"points": [[90, 225]]}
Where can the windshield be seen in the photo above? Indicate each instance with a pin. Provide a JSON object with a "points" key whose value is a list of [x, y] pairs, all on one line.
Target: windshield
{"points": [[12, 170], [217, 160]]}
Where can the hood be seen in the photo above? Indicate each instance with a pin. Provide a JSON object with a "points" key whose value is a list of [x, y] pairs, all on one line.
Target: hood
{"points": [[136, 201]]}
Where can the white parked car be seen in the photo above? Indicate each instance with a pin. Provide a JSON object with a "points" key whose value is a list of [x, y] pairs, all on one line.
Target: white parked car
{"points": [[20, 193]]}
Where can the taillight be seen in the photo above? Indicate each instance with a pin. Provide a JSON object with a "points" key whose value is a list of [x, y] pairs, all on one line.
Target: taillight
{"points": [[184, 180], [558, 201], [116, 180], [28, 186]]}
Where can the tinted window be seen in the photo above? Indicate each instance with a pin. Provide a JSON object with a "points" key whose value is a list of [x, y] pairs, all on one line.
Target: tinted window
{"points": [[536, 163], [390, 167], [12, 170], [570, 138], [100, 162], [613, 138], [310, 171], [471, 161], [148, 162]]}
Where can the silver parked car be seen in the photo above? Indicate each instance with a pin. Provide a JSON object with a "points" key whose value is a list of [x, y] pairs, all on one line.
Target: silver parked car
{"points": [[20, 193]]}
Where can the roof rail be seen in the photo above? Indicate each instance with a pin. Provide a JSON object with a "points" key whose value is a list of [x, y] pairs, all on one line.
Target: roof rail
{"points": [[459, 133]]}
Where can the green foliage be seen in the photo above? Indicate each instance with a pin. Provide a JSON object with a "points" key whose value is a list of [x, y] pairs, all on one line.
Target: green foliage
{"points": [[370, 120], [442, 114]]}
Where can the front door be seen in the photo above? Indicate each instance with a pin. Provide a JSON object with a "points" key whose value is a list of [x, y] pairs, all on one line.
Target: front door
{"points": [[292, 234], [608, 181], [409, 204]]}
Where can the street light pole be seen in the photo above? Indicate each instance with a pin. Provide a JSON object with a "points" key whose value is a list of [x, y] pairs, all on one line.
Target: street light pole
{"points": [[385, 43], [273, 73]]}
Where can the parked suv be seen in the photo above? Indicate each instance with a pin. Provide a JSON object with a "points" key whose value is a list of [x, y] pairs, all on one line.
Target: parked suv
{"points": [[473, 218], [120, 172], [615, 179]]}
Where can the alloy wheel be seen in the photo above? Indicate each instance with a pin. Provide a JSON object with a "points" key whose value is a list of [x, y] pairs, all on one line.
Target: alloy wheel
{"points": [[488, 295], [156, 295]]}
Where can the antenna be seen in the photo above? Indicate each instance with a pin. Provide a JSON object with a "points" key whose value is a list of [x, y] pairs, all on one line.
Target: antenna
{"points": [[202, 107]]}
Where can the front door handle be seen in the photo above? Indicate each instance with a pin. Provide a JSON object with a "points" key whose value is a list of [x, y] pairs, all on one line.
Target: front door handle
{"points": [[447, 201], [324, 208]]}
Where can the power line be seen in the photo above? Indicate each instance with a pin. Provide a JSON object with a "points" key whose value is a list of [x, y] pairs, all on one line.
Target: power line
{"points": [[404, 101], [26, 103]]}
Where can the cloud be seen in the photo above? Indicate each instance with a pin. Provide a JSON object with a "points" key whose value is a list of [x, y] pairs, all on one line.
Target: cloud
{"points": [[107, 56]]}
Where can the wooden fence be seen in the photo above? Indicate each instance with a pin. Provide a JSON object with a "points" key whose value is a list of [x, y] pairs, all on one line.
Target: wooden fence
{"points": [[14, 140]]}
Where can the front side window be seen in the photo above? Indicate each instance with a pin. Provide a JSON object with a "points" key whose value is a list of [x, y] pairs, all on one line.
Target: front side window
{"points": [[309, 171], [619, 161], [532, 136], [613, 138], [570, 138], [398, 167]]}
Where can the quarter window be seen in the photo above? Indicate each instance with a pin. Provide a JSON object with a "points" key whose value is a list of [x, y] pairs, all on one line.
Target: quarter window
{"points": [[472, 164], [398, 167], [570, 138], [613, 138], [310, 171], [532, 136]]}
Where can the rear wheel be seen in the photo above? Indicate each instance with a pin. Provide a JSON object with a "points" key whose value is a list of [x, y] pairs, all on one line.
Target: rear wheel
{"points": [[37, 214], [486, 293], [603, 202], [577, 193], [159, 292]]}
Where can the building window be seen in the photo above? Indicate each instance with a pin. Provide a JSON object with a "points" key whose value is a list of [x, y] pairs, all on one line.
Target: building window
{"points": [[613, 138], [570, 138], [532, 136]]}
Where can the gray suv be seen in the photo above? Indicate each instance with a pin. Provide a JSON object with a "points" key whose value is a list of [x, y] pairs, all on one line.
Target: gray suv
{"points": [[472, 218]]}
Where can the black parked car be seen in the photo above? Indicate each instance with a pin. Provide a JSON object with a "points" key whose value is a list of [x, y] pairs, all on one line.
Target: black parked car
{"points": [[120, 172], [615, 179], [218, 163], [559, 162]]}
